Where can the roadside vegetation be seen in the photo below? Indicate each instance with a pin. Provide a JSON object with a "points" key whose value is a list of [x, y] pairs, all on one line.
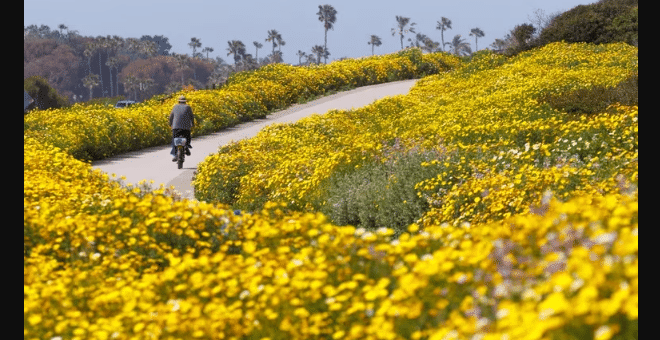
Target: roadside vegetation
{"points": [[92, 132], [497, 200], [525, 220]]}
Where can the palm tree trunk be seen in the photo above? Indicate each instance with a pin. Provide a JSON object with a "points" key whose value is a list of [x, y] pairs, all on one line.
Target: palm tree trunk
{"points": [[101, 73], [442, 35], [325, 46]]}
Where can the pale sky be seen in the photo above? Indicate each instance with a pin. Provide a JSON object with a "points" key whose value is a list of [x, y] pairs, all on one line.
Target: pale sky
{"points": [[215, 22]]}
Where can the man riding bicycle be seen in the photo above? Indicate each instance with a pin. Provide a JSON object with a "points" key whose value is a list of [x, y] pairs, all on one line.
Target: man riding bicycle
{"points": [[182, 120]]}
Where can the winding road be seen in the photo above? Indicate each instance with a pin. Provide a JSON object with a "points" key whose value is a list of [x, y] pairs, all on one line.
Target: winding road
{"points": [[155, 163]]}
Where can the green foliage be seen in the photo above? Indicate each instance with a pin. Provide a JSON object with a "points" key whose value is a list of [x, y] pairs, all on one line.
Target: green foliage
{"points": [[522, 35], [382, 193], [602, 22], [594, 99], [44, 95]]}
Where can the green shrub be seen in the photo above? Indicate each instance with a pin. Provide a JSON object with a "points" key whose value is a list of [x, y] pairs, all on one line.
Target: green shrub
{"points": [[602, 22], [44, 95], [595, 99], [381, 193]]}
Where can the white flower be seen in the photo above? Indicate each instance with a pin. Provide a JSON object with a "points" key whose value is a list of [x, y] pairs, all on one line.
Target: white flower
{"points": [[605, 238], [502, 313], [175, 304], [576, 284], [481, 323], [601, 332], [546, 313], [366, 235]]}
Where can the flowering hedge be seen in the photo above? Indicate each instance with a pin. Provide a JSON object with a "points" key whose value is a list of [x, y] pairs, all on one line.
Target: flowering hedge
{"points": [[91, 132]]}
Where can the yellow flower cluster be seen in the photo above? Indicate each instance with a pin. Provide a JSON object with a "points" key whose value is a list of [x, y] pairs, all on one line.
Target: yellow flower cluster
{"points": [[105, 262], [93, 132], [486, 112], [532, 231]]}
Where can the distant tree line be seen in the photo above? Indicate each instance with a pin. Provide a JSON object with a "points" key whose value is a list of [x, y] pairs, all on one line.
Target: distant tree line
{"points": [[80, 68]]}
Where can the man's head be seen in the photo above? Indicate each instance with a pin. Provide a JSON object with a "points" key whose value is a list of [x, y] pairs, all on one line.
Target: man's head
{"points": [[182, 100]]}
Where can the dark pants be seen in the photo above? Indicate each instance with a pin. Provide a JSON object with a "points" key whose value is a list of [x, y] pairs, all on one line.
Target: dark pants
{"points": [[179, 133]]}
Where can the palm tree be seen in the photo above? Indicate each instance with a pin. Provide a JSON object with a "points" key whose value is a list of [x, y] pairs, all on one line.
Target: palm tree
{"points": [[194, 44], [300, 55], [207, 50], [89, 52], [401, 27], [131, 83], [258, 45], [424, 42], [280, 42], [310, 59], [147, 49], [182, 62], [91, 81], [273, 37], [460, 46], [62, 27], [113, 44], [320, 51], [144, 85], [112, 62], [443, 25], [375, 41], [99, 46], [237, 48], [327, 15], [477, 33]]}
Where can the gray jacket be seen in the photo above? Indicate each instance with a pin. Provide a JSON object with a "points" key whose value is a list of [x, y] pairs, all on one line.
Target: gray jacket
{"points": [[182, 117]]}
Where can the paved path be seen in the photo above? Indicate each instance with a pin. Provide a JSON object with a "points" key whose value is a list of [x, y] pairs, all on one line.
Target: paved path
{"points": [[155, 163]]}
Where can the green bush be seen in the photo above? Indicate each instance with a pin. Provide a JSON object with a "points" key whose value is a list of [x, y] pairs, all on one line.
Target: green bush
{"points": [[595, 99], [381, 193], [603, 22], [44, 95]]}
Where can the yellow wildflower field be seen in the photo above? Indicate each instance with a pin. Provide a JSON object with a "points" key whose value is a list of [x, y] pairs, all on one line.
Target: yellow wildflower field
{"points": [[528, 235], [92, 132]]}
